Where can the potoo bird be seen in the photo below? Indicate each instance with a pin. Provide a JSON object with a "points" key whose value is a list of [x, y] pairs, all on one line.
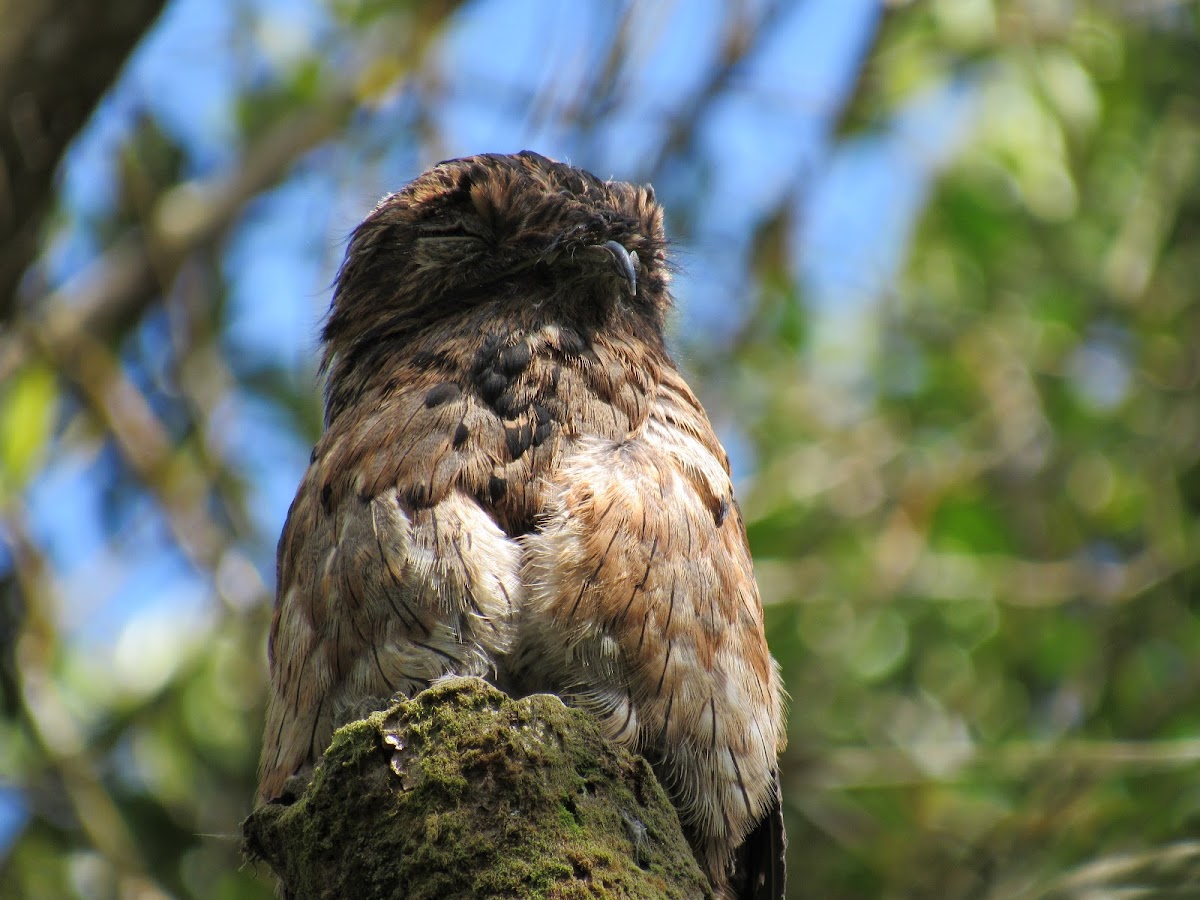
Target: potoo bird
{"points": [[515, 482]]}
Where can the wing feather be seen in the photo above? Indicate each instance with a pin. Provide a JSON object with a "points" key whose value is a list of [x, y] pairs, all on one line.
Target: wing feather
{"points": [[641, 606]]}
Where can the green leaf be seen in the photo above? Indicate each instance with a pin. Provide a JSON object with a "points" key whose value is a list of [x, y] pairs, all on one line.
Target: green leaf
{"points": [[28, 406]]}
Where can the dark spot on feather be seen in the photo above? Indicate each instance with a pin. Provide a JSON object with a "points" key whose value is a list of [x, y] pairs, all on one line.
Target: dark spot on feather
{"points": [[508, 405], [518, 439], [543, 421], [327, 499], [514, 360], [446, 392], [497, 488], [491, 346], [571, 343], [312, 457], [491, 385], [461, 433], [721, 511]]}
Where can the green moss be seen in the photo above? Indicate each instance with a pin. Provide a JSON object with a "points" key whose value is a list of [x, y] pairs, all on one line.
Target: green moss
{"points": [[462, 792]]}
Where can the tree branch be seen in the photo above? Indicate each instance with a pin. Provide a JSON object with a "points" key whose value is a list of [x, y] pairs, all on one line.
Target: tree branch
{"points": [[464, 793], [57, 58]]}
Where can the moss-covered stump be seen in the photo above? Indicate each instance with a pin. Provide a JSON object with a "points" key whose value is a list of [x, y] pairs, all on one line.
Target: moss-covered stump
{"points": [[464, 793]]}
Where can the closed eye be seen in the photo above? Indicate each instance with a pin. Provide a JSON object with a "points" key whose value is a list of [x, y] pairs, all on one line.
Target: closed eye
{"points": [[449, 232]]}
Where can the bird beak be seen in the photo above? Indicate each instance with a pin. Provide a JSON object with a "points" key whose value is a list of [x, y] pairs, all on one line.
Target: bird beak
{"points": [[624, 263]]}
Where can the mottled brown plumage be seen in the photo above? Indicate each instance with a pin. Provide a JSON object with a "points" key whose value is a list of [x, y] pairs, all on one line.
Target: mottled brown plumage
{"points": [[515, 482]]}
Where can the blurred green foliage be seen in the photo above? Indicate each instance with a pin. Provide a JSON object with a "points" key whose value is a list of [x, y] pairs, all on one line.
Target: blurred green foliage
{"points": [[988, 617], [978, 553]]}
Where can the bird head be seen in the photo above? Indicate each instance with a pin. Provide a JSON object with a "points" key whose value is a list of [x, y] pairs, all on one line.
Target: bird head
{"points": [[518, 236]]}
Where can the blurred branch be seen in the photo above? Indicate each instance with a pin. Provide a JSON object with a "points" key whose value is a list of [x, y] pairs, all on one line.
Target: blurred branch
{"points": [[57, 58], [740, 37], [49, 723], [179, 485], [1154, 210], [1031, 583], [856, 768], [114, 292], [1174, 868]]}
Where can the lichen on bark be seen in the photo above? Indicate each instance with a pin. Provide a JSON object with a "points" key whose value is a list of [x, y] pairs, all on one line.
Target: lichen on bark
{"points": [[463, 792]]}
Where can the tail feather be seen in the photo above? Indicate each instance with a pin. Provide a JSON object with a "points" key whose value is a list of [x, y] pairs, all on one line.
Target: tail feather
{"points": [[761, 860]]}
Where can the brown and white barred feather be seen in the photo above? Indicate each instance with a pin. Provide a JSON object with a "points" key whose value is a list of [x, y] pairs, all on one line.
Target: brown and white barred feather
{"points": [[641, 607]]}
